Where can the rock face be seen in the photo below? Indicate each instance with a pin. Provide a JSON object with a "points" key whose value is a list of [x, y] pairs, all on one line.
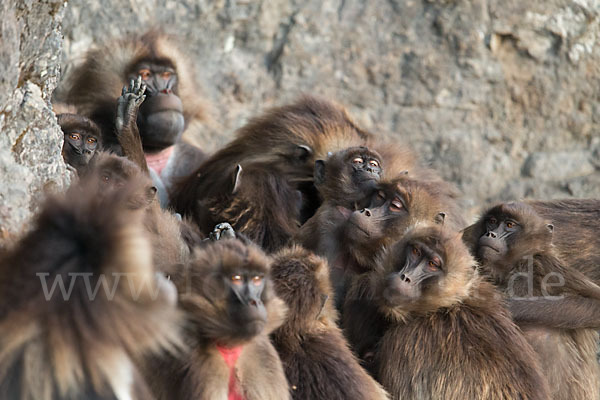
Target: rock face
{"points": [[500, 96], [30, 139]]}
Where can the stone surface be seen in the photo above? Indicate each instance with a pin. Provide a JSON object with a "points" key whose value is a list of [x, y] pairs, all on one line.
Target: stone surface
{"points": [[500, 96], [497, 95], [30, 139]]}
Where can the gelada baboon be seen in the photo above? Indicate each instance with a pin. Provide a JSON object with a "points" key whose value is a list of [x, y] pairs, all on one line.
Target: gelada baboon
{"points": [[227, 294], [173, 107], [351, 239], [450, 336], [285, 142], [548, 297], [317, 360], [79, 299], [82, 140]]}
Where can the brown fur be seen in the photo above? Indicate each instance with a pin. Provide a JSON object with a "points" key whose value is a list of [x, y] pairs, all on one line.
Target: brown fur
{"points": [[271, 142], [83, 347], [457, 340], [315, 355], [567, 350], [202, 373], [350, 253]]}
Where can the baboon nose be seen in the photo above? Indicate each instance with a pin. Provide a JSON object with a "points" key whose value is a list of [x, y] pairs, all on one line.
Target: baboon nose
{"points": [[405, 278], [253, 303], [492, 235], [366, 211], [166, 91]]}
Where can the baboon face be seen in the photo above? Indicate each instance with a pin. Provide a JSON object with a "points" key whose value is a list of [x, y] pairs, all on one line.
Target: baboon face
{"points": [[429, 268], [82, 139], [391, 209], [511, 231], [356, 169], [160, 118]]}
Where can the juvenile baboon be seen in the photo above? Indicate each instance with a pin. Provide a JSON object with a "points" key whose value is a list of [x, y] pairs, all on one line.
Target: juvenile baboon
{"points": [[227, 294], [173, 108], [317, 360], [515, 247], [82, 140], [79, 299], [450, 336], [285, 142]]}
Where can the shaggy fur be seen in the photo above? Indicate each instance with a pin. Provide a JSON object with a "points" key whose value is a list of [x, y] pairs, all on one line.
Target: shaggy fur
{"points": [[457, 341], [83, 347], [555, 327], [202, 373], [317, 360], [272, 142]]}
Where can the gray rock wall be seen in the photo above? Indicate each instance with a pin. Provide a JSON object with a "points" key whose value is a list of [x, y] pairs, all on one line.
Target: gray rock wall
{"points": [[30, 139], [501, 96]]}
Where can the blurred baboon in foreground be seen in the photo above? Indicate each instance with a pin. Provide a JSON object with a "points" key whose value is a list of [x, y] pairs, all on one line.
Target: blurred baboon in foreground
{"points": [[80, 299]]}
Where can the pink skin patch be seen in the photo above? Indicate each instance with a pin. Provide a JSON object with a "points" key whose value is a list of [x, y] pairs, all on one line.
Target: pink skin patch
{"points": [[344, 211], [158, 161], [230, 356]]}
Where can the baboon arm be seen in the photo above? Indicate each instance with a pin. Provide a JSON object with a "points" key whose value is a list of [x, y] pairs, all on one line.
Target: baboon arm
{"points": [[126, 123], [567, 312]]}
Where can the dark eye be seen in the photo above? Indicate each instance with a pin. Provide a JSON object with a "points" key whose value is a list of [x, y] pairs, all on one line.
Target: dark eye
{"points": [[416, 252], [75, 136], [374, 163], [358, 160], [236, 279], [396, 205], [166, 74], [144, 73], [91, 140], [381, 195], [257, 279], [492, 221], [105, 178], [510, 224]]}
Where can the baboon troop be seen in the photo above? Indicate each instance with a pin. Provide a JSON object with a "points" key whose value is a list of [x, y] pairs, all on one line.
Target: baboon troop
{"points": [[308, 258]]}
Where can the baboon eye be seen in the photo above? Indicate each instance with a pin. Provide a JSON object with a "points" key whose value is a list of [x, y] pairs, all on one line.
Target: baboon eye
{"points": [[236, 279], [493, 221], [434, 264], [510, 225], [374, 163], [381, 195], [144, 73], [416, 251], [257, 279], [105, 178], [75, 136], [166, 74], [396, 205], [91, 140], [358, 160]]}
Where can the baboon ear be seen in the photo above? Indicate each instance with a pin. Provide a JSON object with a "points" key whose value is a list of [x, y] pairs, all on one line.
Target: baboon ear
{"points": [[302, 152], [550, 228], [440, 218], [319, 174], [237, 178]]}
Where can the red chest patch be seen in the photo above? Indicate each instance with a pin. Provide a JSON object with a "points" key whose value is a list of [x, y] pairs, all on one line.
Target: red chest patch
{"points": [[230, 356], [158, 161]]}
